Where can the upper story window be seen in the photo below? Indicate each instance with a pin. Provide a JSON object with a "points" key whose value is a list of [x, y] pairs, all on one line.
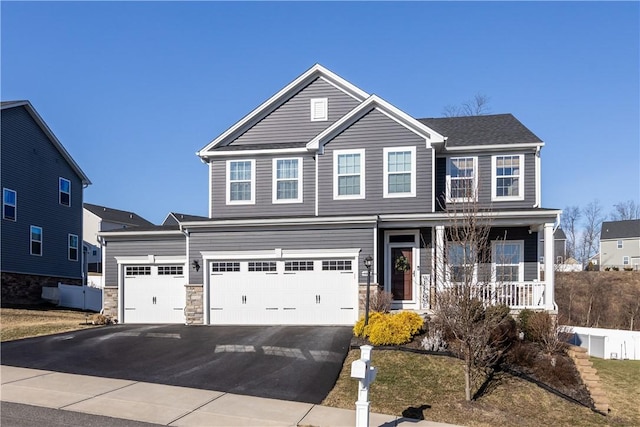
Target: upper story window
{"points": [[287, 180], [462, 178], [36, 240], [9, 204], [319, 109], [73, 247], [64, 190], [241, 180], [508, 177], [508, 260], [619, 244], [400, 172], [348, 174]]}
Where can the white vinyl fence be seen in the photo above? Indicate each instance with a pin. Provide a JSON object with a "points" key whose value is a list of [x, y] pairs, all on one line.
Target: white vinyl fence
{"points": [[82, 297], [606, 343]]}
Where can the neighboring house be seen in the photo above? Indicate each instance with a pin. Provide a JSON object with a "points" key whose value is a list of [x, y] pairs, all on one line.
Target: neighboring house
{"points": [[101, 218], [312, 182], [620, 244], [174, 218], [42, 190]]}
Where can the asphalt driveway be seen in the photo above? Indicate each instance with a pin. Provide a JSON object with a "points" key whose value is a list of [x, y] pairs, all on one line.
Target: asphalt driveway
{"points": [[299, 363]]}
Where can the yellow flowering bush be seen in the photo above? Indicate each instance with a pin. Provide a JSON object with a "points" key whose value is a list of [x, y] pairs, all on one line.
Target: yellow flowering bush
{"points": [[388, 328]]}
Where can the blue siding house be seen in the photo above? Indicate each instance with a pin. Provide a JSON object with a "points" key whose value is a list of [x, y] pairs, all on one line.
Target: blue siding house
{"points": [[324, 186], [42, 188]]}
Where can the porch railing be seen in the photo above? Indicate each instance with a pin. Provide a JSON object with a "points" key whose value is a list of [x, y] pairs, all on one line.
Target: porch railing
{"points": [[517, 295]]}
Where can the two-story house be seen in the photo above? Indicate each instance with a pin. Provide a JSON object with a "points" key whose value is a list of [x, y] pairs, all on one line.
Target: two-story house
{"points": [[96, 218], [620, 244], [42, 188], [314, 181]]}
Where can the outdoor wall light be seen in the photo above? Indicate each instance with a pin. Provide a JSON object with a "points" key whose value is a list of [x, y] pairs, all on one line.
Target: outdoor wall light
{"points": [[196, 265]]}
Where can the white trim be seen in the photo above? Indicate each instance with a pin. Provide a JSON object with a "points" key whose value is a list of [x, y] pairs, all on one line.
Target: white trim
{"points": [[374, 102], [210, 190], [474, 179], [315, 185], [133, 232], [494, 178], [415, 269], [149, 259], [538, 179], [274, 184], [495, 263], [252, 182], [433, 180], [258, 152], [386, 151], [316, 71], [323, 114], [69, 247], [15, 204], [362, 194], [281, 254], [489, 147]]}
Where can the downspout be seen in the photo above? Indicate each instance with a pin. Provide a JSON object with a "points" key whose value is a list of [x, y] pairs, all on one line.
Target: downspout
{"points": [[538, 179], [186, 266]]}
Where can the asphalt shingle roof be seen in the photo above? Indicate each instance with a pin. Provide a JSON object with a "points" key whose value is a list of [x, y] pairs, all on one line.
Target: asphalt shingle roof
{"points": [[118, 216], [620, 229], [494, 129]]}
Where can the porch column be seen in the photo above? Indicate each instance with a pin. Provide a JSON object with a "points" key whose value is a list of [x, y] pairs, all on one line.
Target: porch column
{"points": [[549, 262], [439, 269]]}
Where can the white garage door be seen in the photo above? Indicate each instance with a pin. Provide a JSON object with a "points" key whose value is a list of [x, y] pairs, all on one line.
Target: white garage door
{"points": [[288, 292], [154, 294]]}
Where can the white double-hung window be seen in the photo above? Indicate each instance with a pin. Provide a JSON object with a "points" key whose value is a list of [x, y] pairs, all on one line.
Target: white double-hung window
{"points": [[241, 180], [348, 174], [462, 173], [508, 177], [400, 172], [287, 180], [508, 260]]}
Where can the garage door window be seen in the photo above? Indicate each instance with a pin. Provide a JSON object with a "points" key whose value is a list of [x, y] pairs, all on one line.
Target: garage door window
{"points": [[225, 267], [257, 266], [170, 270], [336, 265], [138, 270], [298, 266]]}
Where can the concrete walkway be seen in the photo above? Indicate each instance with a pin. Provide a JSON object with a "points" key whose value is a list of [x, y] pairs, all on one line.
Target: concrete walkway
{"points": [[170, 405]]}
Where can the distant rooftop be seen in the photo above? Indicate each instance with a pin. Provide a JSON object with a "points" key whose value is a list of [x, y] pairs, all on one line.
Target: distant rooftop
{"points": [[620, 229], [118, 216]]}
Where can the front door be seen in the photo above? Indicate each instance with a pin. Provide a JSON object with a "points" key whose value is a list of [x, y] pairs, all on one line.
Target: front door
{"points": [[401, 273]]}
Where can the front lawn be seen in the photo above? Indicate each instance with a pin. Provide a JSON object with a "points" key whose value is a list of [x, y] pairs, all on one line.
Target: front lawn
{"points": [[433, 386], [17, 323]]}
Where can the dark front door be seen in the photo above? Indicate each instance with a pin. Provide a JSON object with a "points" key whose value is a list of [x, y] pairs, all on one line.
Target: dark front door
{"points": [[401, 273]]}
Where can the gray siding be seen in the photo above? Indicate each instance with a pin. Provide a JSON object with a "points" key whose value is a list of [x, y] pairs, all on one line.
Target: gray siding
{"points": [[485, 174], [137, 246], [291, 122], [264, 206], [31, 166], [312, 237], [374, 132]]}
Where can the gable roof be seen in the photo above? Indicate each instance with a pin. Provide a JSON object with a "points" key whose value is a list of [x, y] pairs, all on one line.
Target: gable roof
{"points": [[620, 229], [176, 218], [365, 107], [117, 216], [279, 98], [483, 131], [56, 143]]}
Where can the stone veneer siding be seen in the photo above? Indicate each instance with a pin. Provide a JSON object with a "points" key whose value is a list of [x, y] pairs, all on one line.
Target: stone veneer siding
{"points": [[27, 288], [110, 301], [362, 296], [194, 312]]}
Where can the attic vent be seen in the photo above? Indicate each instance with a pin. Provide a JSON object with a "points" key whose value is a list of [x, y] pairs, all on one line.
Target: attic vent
{"points": [[319, 109]]}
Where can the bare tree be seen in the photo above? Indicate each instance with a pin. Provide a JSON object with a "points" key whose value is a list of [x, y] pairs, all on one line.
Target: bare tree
{"points": [[570, 223], [477, 106], [475, 330], [625, 210], [590, 239]]}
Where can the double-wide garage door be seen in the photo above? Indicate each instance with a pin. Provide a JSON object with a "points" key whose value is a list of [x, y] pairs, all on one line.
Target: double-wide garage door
{"points": [[154, 294], [293, 292]]}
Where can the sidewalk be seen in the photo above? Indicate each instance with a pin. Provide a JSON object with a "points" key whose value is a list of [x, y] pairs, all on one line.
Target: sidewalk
{"points": [[170, 405]]}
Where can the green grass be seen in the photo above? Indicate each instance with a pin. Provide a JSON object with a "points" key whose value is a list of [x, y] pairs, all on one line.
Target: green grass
{"points": [[621, 382], [436, 385]]}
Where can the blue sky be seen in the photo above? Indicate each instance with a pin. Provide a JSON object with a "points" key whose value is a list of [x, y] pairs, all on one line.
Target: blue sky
{"points": [[133, 90]]}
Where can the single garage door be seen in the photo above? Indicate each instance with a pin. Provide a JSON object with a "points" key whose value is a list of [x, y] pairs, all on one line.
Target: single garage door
{"points": [[154, 294], [288, 292]]}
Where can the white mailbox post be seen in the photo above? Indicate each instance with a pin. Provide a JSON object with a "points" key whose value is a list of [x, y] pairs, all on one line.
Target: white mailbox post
{"points": [[365, 374]]}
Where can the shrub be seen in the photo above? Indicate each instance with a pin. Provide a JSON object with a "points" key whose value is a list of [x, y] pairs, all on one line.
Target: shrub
{"points": [[389, 329], [434, 341], [523, 322], [381, 301]]}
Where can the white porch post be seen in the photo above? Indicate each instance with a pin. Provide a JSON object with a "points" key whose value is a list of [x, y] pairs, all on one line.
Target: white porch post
{"points": [[439, 266], [549, 259]]}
